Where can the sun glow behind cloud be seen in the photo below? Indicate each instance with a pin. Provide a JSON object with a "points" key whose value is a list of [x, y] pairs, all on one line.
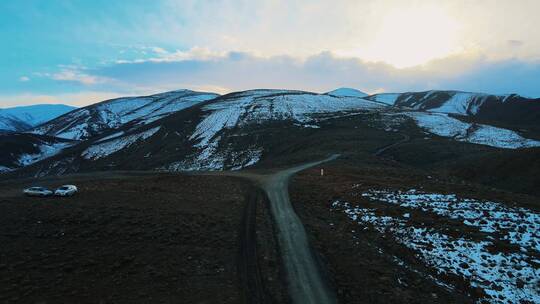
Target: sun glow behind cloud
{"points": [[64, 48], [408, 37]]}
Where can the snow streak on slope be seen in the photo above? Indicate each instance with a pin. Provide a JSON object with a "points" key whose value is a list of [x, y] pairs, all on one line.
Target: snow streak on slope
{"points": [[506, 276], [462, 103], [84, 123], [107, 148], [264, 106], [451, 102], [387, 98], [443, 125], [46, 150], [4, 169], [255, 107]]}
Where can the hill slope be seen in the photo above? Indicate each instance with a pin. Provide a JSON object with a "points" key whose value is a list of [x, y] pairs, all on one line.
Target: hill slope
{"points": [[92, 120], [22, 149], [511, 109], [186, 130], [229, 132], [23, 118]]}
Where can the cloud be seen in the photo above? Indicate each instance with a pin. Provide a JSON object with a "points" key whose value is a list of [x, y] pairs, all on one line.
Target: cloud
{"points": [[515, 43], [364, 29], [325, 71], [24, 78], [76, 75], [236, 71], [162, 55]]}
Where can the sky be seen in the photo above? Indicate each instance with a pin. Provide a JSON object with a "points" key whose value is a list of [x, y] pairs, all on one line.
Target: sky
{"points": [[80, 52]]}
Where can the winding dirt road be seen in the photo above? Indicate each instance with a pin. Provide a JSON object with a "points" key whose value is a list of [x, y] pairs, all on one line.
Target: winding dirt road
{"points": [[306, 283], [305, 280]]}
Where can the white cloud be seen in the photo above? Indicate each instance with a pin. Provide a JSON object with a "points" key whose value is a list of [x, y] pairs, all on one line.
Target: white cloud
{"points": [[325, 71], [402, 33], [24, 78], [76, 75], [162, 55]]}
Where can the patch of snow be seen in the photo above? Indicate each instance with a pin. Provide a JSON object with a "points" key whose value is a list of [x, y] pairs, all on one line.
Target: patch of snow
{"points": [[387, 98], [46, 150], [4, 169], [462, 103], [519, 226], [114, 135], [211, 160], [443, 125], [77, 132], [505, 276], [116, 144], [312, 126]]}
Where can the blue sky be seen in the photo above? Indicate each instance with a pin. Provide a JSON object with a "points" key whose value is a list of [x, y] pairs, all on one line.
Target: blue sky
{"points": [[80, 52]]}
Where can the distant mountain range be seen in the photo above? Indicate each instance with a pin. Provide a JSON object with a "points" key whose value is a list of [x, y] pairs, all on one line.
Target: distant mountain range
{"points": [[20, 119], [187, 130], [92, 120]]}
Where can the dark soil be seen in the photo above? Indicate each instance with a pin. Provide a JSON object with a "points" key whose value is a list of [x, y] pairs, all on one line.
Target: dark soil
{"points": [[131, 239]]}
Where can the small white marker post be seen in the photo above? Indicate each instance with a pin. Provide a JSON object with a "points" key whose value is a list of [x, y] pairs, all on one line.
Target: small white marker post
{"points": [[322, 172]]}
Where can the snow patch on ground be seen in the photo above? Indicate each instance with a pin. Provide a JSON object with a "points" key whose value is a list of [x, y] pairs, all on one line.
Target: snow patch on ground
{"points": [[387, 98], [212, 160], [46, 150], [443, 125], [462, 103], [505, 276], [116, 144], [4, 169], [114, 135]]}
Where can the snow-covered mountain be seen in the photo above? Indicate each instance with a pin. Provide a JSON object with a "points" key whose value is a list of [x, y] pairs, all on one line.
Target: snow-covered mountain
{"points": [[92, 120], [239, 110], [227, 132], [507, 109], [347, 92], [442, 124], [23, 118], [451, 102], [186, 130]]}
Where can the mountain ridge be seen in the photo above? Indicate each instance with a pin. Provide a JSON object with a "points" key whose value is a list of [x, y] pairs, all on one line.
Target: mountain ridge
{"points": [[186, 130]]}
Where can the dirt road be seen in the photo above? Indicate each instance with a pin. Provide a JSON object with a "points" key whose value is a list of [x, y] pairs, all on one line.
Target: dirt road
{"points": [[306, 284], [404, 138], [305, 280]]}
